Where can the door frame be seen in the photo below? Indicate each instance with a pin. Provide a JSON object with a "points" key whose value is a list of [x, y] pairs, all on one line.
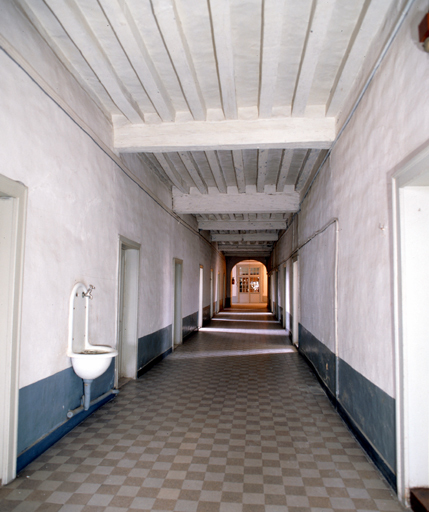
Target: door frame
{"points": [[295, 300], [200, 297], [177, 334], [10, 347], [126, 277], [405, 176]]}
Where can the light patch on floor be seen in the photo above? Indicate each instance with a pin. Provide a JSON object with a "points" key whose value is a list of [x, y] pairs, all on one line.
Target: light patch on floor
{"points": [[229, 353]]}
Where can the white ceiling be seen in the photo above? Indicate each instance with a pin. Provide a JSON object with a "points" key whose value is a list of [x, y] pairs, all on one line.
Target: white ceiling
{"points": [[232, 103]]}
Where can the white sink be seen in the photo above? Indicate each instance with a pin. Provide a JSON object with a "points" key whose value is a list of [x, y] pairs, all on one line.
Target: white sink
{"points": [[88, 361], [92, 362]]}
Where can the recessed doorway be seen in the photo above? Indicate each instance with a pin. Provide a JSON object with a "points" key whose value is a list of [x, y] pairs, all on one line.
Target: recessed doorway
{"points": [[127, 345], [177, 303]]}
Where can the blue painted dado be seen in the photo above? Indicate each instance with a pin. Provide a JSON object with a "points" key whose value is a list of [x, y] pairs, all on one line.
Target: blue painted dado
{"points": [[43, 407], [367, 409], [189, 324], [151, 347]]}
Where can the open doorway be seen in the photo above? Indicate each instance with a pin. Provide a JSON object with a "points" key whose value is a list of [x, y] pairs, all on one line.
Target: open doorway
{"points": [[200, 298], [127, 345], [13, 199], [411, 256], [177, 303], [249, 283], [295, 301], [211, 293]]}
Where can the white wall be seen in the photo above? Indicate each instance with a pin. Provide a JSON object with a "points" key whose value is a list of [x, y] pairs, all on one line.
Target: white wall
{"points": [[79, 202], [354, 186]]}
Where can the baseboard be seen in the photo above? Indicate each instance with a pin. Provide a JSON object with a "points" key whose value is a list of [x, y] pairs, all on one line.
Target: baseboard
{"points": [[366, 445], [34, 451], [153, 362]]}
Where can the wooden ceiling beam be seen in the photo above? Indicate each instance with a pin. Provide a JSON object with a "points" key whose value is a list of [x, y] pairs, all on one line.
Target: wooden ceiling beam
{"points": [[221, 27], [216, 169], [196, 203], [316, 32], [78, 29], [171, 172], [175, 41], [245, 237], [270, 54], [238, 225], [130, 38], [291, 132]]}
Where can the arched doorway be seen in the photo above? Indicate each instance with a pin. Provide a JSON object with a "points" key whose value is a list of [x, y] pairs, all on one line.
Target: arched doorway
{"points": [[249, 283]]}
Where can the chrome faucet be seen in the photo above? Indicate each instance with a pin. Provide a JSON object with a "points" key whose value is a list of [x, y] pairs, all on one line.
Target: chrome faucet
{"points": [[88, 292]]}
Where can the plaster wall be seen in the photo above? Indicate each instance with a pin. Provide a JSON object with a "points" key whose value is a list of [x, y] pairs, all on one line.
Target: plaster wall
{"points": [[18, 36], [79, 202], [355, 187]]}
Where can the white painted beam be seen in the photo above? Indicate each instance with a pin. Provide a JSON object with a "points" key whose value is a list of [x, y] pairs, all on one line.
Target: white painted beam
{"points": [[194, 172], [245, 237], [53, 33], [284, 169], [129, 36], [235, 203], [77, 28], [262, 169], [291, 132], [360, 42], [237, 158], [175, 40], [241, 225], [245, 248], [317, 29], [306, 170], [232, 252], [171, 172], [221, 26], [270, 54], [216, 169]]}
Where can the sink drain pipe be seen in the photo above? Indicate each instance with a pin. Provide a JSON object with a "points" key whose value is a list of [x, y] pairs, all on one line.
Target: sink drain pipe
{"points": [[86, 398]]}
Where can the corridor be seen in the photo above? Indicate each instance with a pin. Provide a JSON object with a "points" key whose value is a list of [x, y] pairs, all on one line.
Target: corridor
{"points": [[232, 421]]}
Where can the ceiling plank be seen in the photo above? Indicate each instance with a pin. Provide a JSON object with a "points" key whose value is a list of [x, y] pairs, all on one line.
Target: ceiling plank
{"points": [[237, 158], [306, 169], [194, 172], [221, 27], [245, 237], [284, 169], [262, 169], [316, 32], [171, 172], [291, 132], [270, 54], [77, 28], [235, 203], [372, 17], [216, 169], [51, 30], [239, 225], [175, 40], [130, 38]]}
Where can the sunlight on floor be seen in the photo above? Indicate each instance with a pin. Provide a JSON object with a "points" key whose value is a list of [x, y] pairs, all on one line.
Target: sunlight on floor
{"points": [[239, 320], [270, 332], [229, 353]]}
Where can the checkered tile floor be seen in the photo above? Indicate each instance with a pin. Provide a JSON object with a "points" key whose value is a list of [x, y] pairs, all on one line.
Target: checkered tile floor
{"points": [[230, 422]]}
